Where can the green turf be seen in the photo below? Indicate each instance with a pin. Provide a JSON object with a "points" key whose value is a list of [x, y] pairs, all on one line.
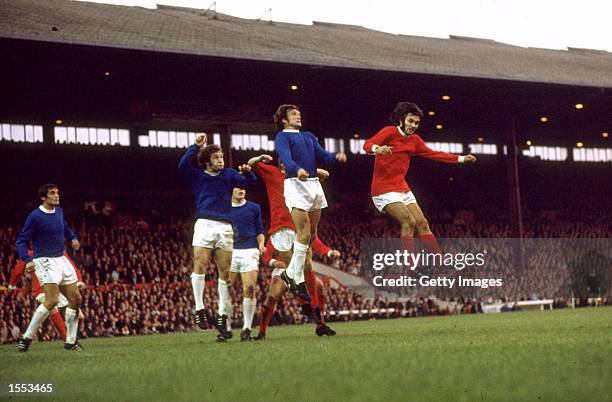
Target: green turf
{"points": [[538, 356]]}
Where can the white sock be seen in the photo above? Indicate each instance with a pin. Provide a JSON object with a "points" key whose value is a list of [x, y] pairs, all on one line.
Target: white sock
{"points": [[198, 283], [229, 309], [225, 301], [72, 323], [295, 270], [248, 311], [40, 314]]}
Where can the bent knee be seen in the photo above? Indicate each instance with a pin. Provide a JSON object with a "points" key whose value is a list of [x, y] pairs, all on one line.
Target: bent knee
{"points": [[270, 300], [422, 225], [408, 221], [249, 291], [76, 300]]}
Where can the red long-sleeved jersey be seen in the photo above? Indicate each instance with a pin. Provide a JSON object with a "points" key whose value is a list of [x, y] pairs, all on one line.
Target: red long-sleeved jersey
{"points": [[390, 170], [275, 187]]}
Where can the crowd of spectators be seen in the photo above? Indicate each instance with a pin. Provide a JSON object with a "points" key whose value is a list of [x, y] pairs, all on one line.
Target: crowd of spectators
{"points": [[124, 310], [137, 266]]}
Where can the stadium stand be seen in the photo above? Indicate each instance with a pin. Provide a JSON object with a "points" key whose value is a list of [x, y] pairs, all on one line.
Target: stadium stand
{"points": [[138, 267]]}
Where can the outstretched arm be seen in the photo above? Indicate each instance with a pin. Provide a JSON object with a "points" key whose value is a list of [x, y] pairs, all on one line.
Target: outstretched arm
{"points": [[263, 158], [423, 150], [245, 179], [325, 156], [323, 249]]}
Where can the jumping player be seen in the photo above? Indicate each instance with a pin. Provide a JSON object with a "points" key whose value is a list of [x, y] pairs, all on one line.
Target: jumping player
{"points": [[283, 233], [249, 245], [278, 288], [299, 152], [212, 185], [47, 229], [394, 146]]}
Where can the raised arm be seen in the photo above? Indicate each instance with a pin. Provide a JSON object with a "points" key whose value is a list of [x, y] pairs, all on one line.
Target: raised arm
{"points": [[185, 165], [263, 158]]}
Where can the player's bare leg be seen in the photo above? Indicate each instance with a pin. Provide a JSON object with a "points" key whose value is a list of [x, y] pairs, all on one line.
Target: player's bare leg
{"points": [[223, 260], [249, 302], [422, 227], [71, 291], [277, 289], [401, 213], [201, 261]]}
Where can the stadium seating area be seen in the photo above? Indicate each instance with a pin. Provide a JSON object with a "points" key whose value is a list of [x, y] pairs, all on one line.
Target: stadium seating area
{"points": [[137, 264]]}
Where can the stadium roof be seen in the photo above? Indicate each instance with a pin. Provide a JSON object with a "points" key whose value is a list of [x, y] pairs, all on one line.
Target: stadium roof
{"points": [[190, 31]]}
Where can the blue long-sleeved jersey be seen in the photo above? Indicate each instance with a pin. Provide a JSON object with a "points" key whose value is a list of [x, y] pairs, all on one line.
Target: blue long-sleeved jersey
{"points": [[301, 149], [47, 232], [213, 193], [246, 222]]}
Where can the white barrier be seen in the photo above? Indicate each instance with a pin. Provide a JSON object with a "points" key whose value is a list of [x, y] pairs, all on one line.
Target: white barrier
{"points": [[523, 305]]}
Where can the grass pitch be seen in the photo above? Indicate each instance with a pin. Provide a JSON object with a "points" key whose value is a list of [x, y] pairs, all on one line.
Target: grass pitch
{"points": [[538, 356]]}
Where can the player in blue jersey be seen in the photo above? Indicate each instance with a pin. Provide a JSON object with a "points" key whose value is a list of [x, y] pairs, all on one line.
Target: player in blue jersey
{"points": [[300, 152], [47, 229], [212, 184], [249, 245]]}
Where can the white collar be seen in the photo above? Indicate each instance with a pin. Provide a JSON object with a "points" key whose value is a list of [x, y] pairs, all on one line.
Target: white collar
{"points": [[291, 130], [403, 134], [212, 173], [45, 210], [238, 204]]}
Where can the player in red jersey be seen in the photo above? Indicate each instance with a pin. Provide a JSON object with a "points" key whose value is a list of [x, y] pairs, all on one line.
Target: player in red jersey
{"points": [[278, 288], [394, 146], [282, 229], [55, 316]]}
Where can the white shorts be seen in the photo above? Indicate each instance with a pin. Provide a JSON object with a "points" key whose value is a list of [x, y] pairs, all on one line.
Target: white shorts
{"points": [[61, 301], [58, 270], [381, 201], [213, 234], [245, 260], [283, 239], [307, 195], [277, 272]]}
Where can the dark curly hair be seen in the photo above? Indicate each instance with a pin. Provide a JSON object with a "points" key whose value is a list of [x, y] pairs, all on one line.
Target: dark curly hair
{"points": [[205, 153], [281, 113], [44, 190], [401, 110]]}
